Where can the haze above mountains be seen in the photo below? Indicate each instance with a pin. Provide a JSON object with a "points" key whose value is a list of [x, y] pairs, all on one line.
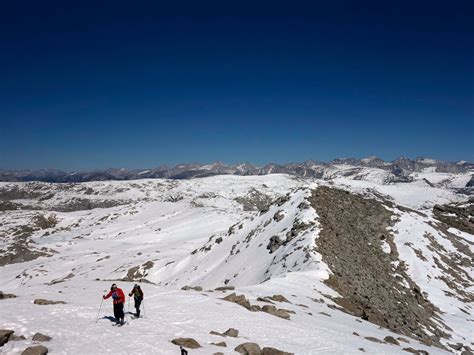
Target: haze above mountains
{"points": [[399, 168]]}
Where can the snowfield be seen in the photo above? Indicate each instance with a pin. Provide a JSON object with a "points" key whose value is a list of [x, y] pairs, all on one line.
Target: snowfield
{"points": [[258, 234]]}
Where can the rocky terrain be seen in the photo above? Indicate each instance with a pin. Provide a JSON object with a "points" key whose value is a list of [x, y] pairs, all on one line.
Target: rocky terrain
{"points": [[359, 259]]}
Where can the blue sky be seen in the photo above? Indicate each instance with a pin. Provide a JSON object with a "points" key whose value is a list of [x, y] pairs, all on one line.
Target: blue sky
{"points": [[103, 84]]}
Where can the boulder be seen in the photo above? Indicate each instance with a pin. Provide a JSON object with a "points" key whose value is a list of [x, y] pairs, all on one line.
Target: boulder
{"points": [[275, 312], [273, 351], [222, 343], [44, 302], [240, 300], [231, 332], [391, 340], [255, 308], [35, 350], [41, 337], [186, 343], [279, 298], [5, 335], [249, 349]]}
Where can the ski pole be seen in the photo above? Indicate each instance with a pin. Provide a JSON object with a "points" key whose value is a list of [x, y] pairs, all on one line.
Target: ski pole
{"points": [[98, 313], [144, 312]]}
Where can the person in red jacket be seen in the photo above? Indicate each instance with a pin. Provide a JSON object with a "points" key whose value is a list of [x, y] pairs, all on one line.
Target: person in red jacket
{"points": [[119, 300], [138, 297]]}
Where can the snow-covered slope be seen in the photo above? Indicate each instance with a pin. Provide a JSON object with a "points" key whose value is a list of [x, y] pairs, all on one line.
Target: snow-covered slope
{"points": [[261, 235]]}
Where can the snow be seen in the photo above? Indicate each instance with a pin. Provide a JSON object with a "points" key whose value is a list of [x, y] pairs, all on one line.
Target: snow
{"points": [[411, 229], [104, 243], [427, 161], [368, 159]]}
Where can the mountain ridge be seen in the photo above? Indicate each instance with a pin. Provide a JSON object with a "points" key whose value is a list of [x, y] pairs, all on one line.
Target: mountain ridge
{"points": [[309, 168]]}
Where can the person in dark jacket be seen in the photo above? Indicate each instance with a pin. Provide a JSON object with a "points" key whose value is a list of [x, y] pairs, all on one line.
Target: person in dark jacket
{"points": [[138, 298], [118, 300]]}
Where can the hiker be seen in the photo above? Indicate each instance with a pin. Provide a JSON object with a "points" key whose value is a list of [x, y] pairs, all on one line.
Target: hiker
{"points": [[119, 300], [138, 297]]}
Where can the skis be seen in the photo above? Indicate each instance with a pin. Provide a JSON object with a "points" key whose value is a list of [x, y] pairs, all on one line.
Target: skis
{"points": [[119, 324]]}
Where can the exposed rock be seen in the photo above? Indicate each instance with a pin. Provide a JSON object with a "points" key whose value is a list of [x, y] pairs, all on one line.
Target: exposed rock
{"points": [[9, 206], [44, 302], [240, 300], [22, 247], [375, 340], [249, 349], [44, 222], [82, 204], [277, 217], [14, 337], [5, 335], [4, 296], [35, 350], [255, 308], [457, 216], [195, 288], [213, 332], [61, 279], [231, 332], [279, 298], [391, 340], [274, 243], [273, 351], [254, 201], [186, 343], [225, 288], [275, 312], [417, 352], [222, 343], [352, 230], [139, 273], [457, 346], [41, 337]]}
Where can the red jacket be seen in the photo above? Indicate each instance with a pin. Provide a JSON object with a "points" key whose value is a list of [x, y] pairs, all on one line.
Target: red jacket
{"points": [[117, 295]]}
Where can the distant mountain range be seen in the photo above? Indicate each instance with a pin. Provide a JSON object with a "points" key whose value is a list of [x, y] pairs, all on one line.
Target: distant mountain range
{"points": [[400, 167]]}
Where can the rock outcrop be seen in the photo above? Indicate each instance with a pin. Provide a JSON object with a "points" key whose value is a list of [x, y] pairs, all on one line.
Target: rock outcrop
{"points": [[352, 231]]}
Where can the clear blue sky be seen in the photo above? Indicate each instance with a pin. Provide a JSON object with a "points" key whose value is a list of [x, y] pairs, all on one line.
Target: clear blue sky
{"points": [[97, 84]]}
